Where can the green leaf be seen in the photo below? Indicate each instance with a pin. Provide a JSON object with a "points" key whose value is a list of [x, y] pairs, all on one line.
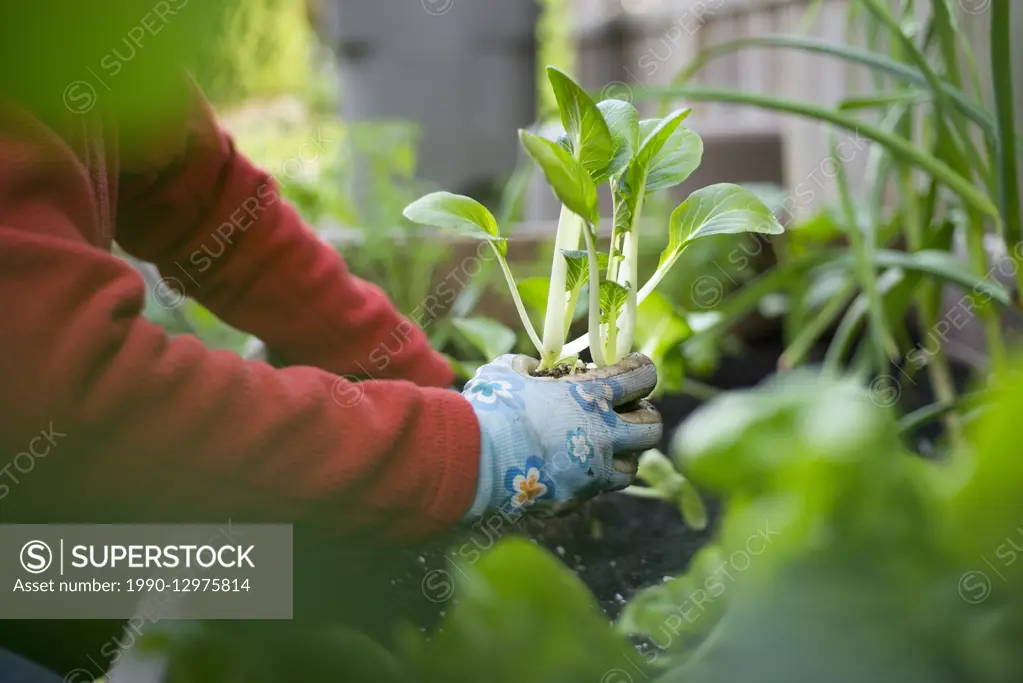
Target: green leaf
{"points": [[679, 157], [623, 121], [465, 370], [565, 143], [517, 598], [778, 623], [690, 504], [579, 268], [629, 192], [722, 209], [590, 138], [570, 181], [612, 298], [882, 100], [671, 372], [533, 292], [659, 473], [987, 508], [489, 337], [943, 266], [457, 213], [653, 610], [624, 204], [677, 613], [656, 134], [747, 440]]}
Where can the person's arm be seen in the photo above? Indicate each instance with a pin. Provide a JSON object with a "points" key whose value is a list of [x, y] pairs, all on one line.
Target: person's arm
{"points": [[219, 231], [155, 429]]}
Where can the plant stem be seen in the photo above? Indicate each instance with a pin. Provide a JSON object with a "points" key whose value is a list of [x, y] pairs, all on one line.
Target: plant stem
{"points": [[916, 419], [569, 226], [655, 280], [988, 313], [862, 245], [818, 325], [1001, 69], [594, 313], [938, 369], [611, 355], [628, 277], [699, 390], [523, 315], [573, 301], [646, 492]]}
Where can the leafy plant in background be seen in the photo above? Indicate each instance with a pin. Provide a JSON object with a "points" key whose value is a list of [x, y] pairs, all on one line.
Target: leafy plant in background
{"points": [[380, 179], [951, 162], [604, 142]]}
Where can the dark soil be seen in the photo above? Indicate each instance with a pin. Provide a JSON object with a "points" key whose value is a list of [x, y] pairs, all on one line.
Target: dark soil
{"points": [[619, 544], [555, 372]]}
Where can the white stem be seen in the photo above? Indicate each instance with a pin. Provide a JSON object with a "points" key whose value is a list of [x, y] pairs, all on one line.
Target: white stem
{"points": [[610, 332], [594, 313], [629, 276], [569, 227], [523, 315], [573, 301], [580, 343], [646, 492]]}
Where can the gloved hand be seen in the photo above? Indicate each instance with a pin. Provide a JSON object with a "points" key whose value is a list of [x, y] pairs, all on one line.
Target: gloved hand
{"points": [[549, 444]]}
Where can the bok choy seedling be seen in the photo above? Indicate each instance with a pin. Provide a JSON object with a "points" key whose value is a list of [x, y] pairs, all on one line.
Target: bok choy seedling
{"points": [[604, 142]]}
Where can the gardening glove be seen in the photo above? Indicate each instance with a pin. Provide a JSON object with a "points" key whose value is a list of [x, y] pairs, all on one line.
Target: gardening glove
{"points": [[551, 443]]}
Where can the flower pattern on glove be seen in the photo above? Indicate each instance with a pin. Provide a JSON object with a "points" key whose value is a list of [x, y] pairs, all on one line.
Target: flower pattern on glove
{"points": [[529, 483], [547, 444], [490, 393], [579, 447], [596, 397]]}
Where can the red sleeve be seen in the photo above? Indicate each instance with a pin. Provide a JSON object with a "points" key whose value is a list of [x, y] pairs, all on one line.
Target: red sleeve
{"points": [[154, 429], [218, 230]]}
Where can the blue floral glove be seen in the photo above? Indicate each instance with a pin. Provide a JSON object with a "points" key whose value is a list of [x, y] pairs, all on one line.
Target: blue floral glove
{"points": [[549, 444]]}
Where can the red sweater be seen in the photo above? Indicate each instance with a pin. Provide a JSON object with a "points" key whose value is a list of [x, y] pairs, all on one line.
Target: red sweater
{"points": [[149, 428]]}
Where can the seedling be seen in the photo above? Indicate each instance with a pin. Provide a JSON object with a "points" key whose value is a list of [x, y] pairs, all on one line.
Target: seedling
{"points": [[604, 142], [664, 482]]}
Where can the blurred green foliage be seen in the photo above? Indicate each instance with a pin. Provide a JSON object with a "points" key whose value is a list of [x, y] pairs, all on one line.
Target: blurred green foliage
{"points": [[841, 556], [262, 51]]}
